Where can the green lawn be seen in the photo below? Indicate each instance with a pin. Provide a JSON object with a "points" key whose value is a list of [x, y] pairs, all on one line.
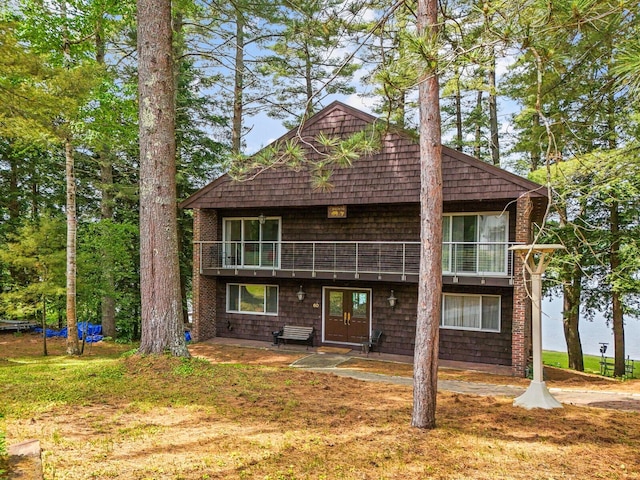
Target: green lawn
{"points": [[109, 416], [591, 362]]}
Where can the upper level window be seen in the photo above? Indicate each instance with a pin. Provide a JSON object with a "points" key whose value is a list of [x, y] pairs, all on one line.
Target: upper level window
{"points": [[471, 312], [251, 242], [475, 243]]}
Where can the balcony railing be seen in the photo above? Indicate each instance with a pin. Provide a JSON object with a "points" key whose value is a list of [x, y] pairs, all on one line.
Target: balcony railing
{"points": [[480, 259], [490, 259]]}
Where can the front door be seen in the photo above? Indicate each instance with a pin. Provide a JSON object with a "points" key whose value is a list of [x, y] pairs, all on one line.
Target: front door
{"points": [[347, 315]]}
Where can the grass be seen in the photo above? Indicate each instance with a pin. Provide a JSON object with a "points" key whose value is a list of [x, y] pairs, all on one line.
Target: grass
{"points": [[106, 416], [591, 362], [3, 453]]}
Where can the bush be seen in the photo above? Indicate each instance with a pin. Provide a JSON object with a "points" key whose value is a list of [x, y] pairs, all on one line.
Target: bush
{"points": [[4, 458], [3, 441]]}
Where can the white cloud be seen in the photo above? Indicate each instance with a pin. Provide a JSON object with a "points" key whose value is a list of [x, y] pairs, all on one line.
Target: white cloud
{"points": [[360, 102]]}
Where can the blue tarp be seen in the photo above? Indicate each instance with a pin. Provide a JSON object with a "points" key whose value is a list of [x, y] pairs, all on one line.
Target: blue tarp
{"points": [[93, 332]]}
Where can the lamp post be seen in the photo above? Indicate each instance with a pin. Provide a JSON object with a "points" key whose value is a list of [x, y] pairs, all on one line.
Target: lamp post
{"points": [[535, 259]]}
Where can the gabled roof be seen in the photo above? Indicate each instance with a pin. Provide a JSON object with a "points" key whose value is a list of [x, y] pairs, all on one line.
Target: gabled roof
{"points": [[389, 176]]}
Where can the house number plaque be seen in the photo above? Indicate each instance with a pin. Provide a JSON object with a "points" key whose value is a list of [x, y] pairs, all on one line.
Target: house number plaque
{"points": [[337, 211]]}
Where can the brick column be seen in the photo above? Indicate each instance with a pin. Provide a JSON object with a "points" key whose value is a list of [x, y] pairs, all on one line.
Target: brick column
{"points": [[521, 321], [205, 228]]}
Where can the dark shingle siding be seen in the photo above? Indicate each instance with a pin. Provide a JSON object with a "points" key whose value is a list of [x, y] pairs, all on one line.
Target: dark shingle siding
{"points": [[388, 177]]}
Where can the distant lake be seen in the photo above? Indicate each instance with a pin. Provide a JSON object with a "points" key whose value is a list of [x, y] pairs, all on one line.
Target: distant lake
{"points": [[591, 333]]}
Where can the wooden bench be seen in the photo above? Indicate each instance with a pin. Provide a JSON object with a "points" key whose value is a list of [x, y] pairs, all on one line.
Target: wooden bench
{"points": [[295, 333]]}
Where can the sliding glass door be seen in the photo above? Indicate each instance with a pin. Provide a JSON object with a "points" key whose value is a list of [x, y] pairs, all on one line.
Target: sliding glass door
{"points": [[475, 243]]}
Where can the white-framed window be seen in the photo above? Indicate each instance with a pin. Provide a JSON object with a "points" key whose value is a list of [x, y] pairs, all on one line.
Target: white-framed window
{"points": [[475, 243], [251, 242], [253, 299], [471, 312]]}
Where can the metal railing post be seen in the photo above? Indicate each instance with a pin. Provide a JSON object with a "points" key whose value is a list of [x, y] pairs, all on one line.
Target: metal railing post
{"points": [[404, 260]]}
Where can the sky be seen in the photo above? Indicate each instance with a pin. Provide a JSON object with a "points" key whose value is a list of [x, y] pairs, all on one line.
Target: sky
{"points": [[264, 130], [592, 333]]}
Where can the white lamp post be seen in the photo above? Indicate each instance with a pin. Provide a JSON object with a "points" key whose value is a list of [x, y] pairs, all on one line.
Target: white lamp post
{"points": [[535, 259]]}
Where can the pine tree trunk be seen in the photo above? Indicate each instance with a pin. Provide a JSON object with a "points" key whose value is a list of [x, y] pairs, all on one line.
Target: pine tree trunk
{"points": [[571, 296], [238, 87], [571, 319], [107, 303], [309, 108], [618, 336], [35, 196], [73, 347], [44, 326], [617, 314], [178, 52], [616, 303], [430, 279], [535, 158], [493, 110], [162, 323], [19, 275], [13, 204], [459, 137], [477, 151]]}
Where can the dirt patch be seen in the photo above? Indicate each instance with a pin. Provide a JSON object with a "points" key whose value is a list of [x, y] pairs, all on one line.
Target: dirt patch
{"points": [[334, 350], [564, 378], [320, 361], [243, 416], [244, 355], [376, 366], [18, 345]]}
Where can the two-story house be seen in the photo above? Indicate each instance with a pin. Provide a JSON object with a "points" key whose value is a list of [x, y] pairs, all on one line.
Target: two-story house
{"points": [[273, 251]]}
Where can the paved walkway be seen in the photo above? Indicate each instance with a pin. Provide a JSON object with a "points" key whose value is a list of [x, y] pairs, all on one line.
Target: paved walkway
{"points": [[322, 360], [329, 363]]}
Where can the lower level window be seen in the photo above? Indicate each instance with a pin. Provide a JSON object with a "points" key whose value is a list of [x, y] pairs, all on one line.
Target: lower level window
{"points": [[256, 299], [471, 312]]}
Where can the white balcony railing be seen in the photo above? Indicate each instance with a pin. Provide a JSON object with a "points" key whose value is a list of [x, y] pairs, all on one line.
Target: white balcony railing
{"points": [[469, 258], [396, 258]]}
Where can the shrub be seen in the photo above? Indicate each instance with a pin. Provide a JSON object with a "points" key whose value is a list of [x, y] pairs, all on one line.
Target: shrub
{"points": [[4, 466]]}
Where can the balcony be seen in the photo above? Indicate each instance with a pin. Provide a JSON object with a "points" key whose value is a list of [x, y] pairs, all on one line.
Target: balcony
{"points": [[470, 263]]}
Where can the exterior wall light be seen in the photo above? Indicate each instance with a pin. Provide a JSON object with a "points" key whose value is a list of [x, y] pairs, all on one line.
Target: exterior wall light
{"points": [[392, 300], [301, 294]]}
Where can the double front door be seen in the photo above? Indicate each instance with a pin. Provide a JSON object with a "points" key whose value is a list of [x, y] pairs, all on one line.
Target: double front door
{"points": [[347, 315]]}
